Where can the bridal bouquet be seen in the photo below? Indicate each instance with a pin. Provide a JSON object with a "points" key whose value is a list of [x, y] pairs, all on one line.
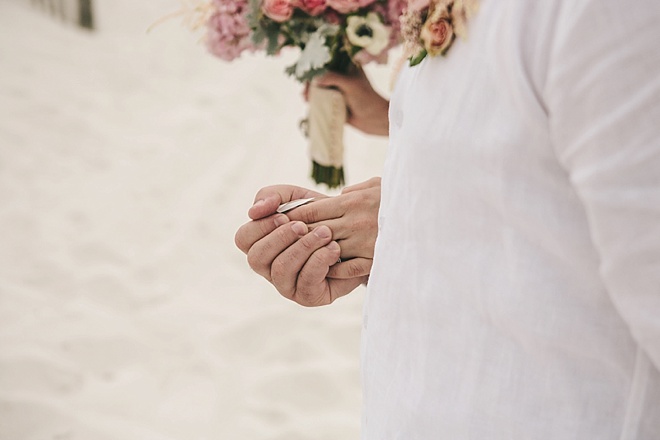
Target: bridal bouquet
{"points": [[331, 35]]}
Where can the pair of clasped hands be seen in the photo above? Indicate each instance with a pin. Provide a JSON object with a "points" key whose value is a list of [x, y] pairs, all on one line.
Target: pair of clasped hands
{"points": [[322, 250]]}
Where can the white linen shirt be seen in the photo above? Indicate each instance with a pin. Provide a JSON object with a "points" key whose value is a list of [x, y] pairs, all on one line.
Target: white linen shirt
{"points": [[515, 292]]}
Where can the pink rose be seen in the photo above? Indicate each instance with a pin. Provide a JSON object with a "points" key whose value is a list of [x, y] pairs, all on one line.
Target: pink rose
{"points": [[277, 10], [344, 6], [312, 7], [437, 32]]}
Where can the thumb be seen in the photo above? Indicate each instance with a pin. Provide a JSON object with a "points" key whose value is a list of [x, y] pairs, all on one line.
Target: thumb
{"points": [[264, 207]]}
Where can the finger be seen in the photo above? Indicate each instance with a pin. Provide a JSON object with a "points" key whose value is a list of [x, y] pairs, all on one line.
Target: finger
{"points": [[347, 85], [373, 182], [354, 268], [318, 211], [287, 265], [312, 288], [353, 243], [354, 233], [269, 198], [253, 231], [342, 82], [337, 226], [263, 253], [332, 79], [354, 247]]}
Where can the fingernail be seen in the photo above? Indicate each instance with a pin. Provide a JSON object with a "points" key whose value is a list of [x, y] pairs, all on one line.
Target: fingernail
{"points": [[333, 246], [299, 228], [322, 232], [259, 202], [281, 220]]}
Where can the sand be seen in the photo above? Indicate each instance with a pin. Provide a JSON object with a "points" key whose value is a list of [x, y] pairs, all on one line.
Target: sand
{"points": [[127, 162]]}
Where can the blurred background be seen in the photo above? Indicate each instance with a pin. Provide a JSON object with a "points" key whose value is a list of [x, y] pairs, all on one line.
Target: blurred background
{"points": [[127, 161]]}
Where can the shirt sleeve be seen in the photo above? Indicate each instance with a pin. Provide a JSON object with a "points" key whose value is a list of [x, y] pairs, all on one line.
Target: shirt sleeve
{"points": [[603, 99]]}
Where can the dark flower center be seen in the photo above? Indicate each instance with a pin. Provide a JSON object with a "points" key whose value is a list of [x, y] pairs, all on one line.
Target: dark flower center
{"points": [[364, 31]]}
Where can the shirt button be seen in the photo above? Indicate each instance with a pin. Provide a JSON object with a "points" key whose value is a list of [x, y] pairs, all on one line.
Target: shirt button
{"points": [[397, 117]]}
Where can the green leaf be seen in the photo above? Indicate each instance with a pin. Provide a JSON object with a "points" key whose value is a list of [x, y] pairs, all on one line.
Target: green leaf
{"points": [[258, 36], [291, 70], [415, 60], [254, 16], [272, 34]]}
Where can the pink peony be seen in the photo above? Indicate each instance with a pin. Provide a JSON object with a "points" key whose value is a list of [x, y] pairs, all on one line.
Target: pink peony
{"points": [[228, 31]]}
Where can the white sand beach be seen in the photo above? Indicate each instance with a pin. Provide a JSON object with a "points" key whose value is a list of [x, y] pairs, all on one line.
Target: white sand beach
{"points": [[127, 162]]}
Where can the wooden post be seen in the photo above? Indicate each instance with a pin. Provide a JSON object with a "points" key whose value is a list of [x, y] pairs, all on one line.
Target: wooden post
{"points": [[86, 17]]}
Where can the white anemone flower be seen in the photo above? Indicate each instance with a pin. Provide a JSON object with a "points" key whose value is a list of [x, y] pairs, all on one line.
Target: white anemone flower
{"points": [[368, 32]]}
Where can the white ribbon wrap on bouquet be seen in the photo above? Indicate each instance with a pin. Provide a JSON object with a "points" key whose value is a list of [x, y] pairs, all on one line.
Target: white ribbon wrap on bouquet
{"points": [[327, 116]]}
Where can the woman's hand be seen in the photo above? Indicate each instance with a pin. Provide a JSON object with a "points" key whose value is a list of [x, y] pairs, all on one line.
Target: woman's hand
{"points": [[367, 110]]}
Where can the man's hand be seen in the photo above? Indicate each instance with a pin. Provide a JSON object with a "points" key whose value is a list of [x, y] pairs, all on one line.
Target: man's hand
{"points": [[295, 259], [367, 110]]}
